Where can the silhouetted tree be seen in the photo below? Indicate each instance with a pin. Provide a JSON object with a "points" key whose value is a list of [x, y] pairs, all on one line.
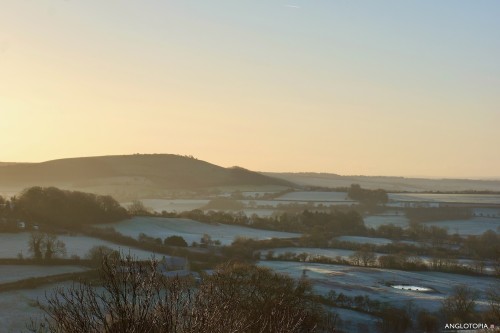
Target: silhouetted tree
{"points": [[175, 241], [135, 297], [459, 307], [97, 254], [137, 207], [394, 320], [43, 245], [35, 244]]}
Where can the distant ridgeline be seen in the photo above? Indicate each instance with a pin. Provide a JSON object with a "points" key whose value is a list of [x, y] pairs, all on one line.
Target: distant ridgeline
{"points": [[55, 207], [163, 171]]}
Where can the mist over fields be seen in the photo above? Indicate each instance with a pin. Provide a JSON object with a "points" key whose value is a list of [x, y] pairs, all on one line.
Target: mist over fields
{"points": [[138, 176]]}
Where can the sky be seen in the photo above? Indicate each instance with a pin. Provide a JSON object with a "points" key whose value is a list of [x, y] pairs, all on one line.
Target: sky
{"points": [[401, 88]]}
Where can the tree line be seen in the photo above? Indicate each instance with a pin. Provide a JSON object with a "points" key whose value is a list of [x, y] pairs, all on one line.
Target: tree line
{"points": [[58, 208]]}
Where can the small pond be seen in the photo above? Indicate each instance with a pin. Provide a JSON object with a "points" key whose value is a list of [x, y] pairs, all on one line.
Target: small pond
{"points": [[411, 288]]}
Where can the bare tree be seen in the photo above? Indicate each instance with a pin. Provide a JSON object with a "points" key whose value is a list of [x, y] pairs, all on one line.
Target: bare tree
{"points": [[493, 296], [53, 247], [460, 305], [137, 207], [363, 257], [35, 244], [134, 297], [43, 245]]}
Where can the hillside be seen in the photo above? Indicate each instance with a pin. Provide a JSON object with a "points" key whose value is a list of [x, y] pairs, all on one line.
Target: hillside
{"points": [[142, 175], [388, 183]]}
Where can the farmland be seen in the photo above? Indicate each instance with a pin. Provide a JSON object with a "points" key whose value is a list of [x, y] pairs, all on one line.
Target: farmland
{"points": [[397, 288], [377, 283], [17, 243], [474, 226], [21, 306], [11, 273], [191, 231]]}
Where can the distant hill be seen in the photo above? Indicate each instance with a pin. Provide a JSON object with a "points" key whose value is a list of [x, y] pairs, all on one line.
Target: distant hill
{"points": [[131, 175], [388, 183]]}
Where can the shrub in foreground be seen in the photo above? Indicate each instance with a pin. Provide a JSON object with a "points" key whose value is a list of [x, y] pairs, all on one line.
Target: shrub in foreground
{"points": [[134, 296]]}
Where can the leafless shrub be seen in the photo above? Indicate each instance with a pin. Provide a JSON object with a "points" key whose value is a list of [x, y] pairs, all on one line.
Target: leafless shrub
{"points": [[134, 297]]}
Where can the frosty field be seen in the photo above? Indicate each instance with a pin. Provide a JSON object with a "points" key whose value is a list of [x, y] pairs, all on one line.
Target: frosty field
{"points": [[437, 197], [11, 273], [474, 226], [375, 282], [317, 197], [19, 306], [376, 221], [13, 244], [190, 230]]}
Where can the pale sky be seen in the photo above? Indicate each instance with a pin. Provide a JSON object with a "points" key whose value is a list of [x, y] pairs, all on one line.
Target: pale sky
{"points": [[405, 88]]}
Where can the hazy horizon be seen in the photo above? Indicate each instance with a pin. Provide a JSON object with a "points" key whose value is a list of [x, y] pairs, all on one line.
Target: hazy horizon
{"points": [[493, 178], [352, 88]]}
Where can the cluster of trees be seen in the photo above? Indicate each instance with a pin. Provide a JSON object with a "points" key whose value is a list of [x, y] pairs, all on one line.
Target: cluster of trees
{"points": [[486, 245], [367, 197], [365, 257], [46, 246], [54, 207], [247, 249], [337, 222], [175, 241], [197, 259], [418, 232], [135, 297], [461, 306]]}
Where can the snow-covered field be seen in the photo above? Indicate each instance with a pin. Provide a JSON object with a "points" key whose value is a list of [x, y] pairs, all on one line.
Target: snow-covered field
{"points": [[13, 244], [11, 273], [474, 226], [190, 230], [375, 282], [376, 221]]}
